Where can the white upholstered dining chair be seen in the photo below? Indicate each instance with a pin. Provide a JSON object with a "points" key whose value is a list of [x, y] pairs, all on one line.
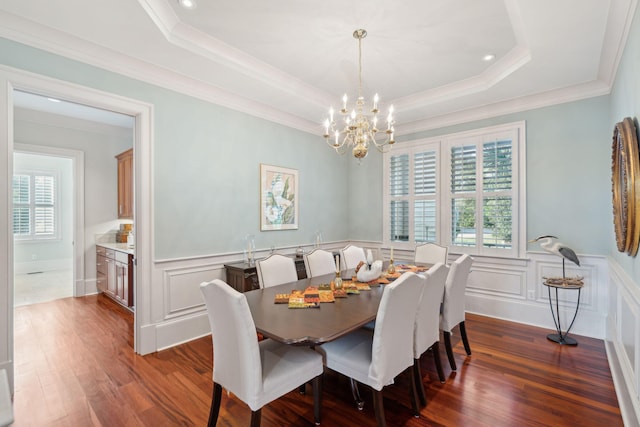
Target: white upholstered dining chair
{"points": [[426, 332], [453, 305], [275, 270], [256, 372], [319, 262], [430, 253], [376, 359], [351, 255]]}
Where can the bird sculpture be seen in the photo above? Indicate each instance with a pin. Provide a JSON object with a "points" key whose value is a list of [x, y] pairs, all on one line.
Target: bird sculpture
{"points": [[366, 273], [551, 245]]}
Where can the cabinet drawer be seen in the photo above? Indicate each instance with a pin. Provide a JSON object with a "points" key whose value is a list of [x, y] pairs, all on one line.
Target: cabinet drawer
{"points": [[101, 264], [122, 257]]}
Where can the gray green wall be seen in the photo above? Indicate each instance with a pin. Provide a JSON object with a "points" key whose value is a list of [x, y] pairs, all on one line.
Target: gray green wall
{"points": [[206, 162], [568, 166], [206, 167]]}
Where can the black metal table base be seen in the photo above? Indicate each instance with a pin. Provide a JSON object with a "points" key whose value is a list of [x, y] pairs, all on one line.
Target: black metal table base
{"points": [[562, 338]]}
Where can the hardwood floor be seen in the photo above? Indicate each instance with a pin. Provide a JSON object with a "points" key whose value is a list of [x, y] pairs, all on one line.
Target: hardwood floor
{"points": [[75, 366]]}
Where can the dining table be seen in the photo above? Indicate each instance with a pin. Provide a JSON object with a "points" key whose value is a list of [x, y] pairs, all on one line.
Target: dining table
{"points": [[312, 326]]}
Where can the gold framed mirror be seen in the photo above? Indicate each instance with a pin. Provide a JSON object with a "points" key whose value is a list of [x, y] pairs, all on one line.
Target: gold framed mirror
{"points": [[625, 170]]}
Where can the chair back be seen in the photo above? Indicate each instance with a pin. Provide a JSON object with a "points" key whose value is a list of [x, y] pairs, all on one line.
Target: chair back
{"points": [[427, 326], [350, 256], [275, 270], [392, 347], [430, 253], [319, 262], [454, 293], [236, 355]]}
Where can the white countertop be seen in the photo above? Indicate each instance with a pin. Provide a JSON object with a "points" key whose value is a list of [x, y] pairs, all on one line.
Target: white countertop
{"points": [[121, 247]]}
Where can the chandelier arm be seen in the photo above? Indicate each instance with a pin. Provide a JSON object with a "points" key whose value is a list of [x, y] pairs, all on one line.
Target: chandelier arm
{"points": [[359, 128]]}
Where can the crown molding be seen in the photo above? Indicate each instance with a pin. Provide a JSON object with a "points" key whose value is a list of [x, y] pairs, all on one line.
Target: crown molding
{"points": [[35, 35], [555, 97], [58, 121], [615, 38], [203, 45], [50, 40]]}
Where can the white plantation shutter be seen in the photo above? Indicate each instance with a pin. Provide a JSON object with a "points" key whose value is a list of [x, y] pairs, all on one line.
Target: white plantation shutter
{"points": [[425, 192], [34, 205], [21, 211], [399, 193], [461, 190], [463, 187], [411, 195], [497, 180], [44, 217]]}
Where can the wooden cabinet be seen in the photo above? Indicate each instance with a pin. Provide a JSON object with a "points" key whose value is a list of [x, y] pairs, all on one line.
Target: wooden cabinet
{"points": [[125, 184], [244, 277], [101, 268], [114, 274]]}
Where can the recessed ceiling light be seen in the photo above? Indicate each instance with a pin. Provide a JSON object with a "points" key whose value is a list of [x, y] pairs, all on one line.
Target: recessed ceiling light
{"points": [[53, 100], [187, 4], [489, 57]]}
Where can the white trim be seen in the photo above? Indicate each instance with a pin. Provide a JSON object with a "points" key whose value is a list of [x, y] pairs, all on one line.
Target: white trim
{"points": [[11, 79], [14, 27], [623, 341], [514, 130]]}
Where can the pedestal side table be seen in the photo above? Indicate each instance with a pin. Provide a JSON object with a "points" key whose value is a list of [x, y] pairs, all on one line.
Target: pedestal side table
{"points": [[560, 337]]}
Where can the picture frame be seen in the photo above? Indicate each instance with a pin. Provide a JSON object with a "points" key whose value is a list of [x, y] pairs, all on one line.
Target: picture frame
{"points": [[278, 198]]}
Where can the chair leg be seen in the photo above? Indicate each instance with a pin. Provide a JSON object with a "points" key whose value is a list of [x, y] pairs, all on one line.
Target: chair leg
{"points": [[215, 405], [356, 394], [435, 349], [447, 345], [417, 376], [317, 398], [378, 408], [256, 417], [465, 340], [413, 392]]}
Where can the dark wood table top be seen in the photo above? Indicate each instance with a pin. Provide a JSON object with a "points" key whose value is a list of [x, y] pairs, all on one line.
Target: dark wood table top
{"points": [[311, 326]]}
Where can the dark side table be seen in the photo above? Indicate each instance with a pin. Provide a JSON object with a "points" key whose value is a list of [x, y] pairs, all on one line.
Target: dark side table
{"points": [[562, 338]]}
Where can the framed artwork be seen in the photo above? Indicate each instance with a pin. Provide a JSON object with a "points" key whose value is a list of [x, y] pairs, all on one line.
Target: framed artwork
{"points": [[278, 198], [625, 171]]}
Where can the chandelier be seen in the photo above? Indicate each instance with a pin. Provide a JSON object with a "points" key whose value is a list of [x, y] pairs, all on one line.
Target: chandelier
{"points": [[360, 125]]}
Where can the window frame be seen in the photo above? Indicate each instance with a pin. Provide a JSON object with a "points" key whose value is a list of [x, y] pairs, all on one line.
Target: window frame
{"points": [[516, 131], [32, 236]]}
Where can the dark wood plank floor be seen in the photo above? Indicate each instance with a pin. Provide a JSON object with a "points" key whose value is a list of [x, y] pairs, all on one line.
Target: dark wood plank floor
{"points": [[75, 366]]}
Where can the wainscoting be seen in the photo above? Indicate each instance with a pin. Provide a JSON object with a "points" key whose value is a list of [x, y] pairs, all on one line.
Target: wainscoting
{"points": [[510, 289], [623, 342]]}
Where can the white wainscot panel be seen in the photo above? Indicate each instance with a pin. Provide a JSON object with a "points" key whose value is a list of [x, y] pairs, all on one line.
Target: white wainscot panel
{"points": [[182, 288], [628, 331], [497, 281], [568, 297]]}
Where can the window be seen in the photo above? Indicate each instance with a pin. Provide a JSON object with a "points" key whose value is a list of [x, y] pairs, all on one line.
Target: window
{"points": [[34, 205], [462, 190]]}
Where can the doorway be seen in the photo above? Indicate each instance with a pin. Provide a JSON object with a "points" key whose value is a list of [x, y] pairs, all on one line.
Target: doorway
{"points": [[43, 225], [12, 80]]}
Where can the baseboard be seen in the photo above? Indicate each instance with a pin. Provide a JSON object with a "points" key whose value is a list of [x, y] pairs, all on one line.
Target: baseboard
{"points": [[169, 334], [628, 407]]}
